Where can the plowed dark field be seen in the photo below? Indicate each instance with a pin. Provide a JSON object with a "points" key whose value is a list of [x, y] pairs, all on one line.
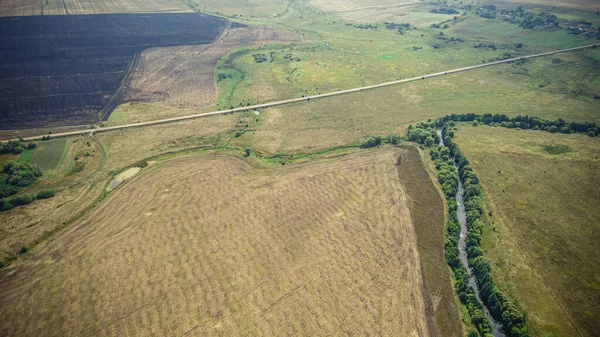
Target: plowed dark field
{"points": [[62, 70]]}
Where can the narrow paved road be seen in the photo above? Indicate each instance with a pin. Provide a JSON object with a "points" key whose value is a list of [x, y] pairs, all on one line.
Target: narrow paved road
{"points": [[307, 98]]}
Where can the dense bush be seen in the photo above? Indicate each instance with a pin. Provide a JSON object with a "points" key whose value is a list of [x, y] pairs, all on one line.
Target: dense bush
{"points": [[393, 139], [260, 58], [8, 191], [5, 205], [527, 122], [448, 11], [16, 146], [45, 194], [21, 174], [21, 199], [370, 142], [24, 199]]}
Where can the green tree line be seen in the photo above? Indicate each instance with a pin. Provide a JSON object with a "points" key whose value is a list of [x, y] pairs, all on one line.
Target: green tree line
{"points": [[453, 167], [527, 122], [20, 175]]}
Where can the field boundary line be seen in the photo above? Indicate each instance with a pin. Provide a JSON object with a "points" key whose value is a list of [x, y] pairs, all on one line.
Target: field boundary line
{"points": [[307, 98], [106, 110]]}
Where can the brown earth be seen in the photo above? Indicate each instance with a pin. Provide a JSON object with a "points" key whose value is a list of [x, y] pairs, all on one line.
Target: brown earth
{"points": [[184, 76], [428, 218]]}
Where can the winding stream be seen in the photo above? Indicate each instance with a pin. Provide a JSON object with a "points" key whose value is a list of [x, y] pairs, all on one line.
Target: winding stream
{"points": [[462, 249]]}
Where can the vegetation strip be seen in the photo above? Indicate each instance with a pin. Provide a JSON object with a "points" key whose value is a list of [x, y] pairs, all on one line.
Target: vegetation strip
{"points": [[308, 98], [449, 159], [427, 215]]}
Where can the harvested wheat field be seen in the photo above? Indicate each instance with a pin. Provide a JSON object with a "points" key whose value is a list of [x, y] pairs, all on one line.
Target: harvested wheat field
{"points": [[184, 76], [124, 6], [71, 7], [357, 5], [207, 245]]}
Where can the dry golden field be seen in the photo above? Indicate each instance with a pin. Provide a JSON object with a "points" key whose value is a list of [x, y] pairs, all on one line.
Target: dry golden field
{"points": [[124, 6], [184, 76], [110, 152], [31, 7], [62, 7], [542, 192], [209, 245], [350, 5], [244, 8], [24, 226]]}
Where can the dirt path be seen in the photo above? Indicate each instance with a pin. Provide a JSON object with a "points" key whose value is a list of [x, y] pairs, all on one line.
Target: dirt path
{"points": [[308, 98]]}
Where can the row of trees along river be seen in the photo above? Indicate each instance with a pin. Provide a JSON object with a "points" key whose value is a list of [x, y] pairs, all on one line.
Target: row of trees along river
{"points": [[492, 312]]}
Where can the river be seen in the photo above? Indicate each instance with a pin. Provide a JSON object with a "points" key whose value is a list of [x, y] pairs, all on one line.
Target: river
{"points": [[462, 249]]}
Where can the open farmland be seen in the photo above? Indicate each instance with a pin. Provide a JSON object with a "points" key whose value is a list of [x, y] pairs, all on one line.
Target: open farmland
{"points": [[242, 8], [543, 193], [48, 154], [123, 6], [184, 76], [352, 5], [31, 7], [70, 7], [58, 70], [209, 245]]}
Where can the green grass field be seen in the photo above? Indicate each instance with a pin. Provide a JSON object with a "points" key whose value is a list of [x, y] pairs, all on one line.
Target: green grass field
{"points": [[48, 154], [27, 155], [337, 55], [542, 192]]}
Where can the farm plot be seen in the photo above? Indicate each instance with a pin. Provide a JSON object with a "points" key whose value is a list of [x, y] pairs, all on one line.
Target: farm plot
{"points": [[184, 76], [31, 7], [351, 5], [62, 7], [124, 6], [208, 245], [543, 198], [58, 70], [48, 153]]}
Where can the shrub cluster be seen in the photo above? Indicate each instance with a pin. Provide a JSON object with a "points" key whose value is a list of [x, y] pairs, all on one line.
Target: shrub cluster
{"points": [[24, 199], [8, 191], [21, 174], [260, 58], [373, 141], [448, 11], [16, 146], [370, 142], [45, 194], [527, 122], [453, 167]]}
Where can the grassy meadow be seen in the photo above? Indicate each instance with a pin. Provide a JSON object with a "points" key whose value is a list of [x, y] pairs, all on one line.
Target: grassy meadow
{"points": [[337, 54], [542, 195]]}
